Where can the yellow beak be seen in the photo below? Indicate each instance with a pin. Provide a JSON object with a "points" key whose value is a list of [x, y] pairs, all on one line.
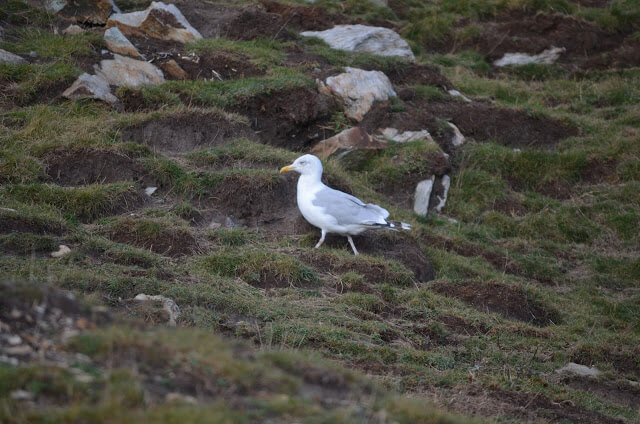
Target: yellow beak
{"points": [[286, 168]]}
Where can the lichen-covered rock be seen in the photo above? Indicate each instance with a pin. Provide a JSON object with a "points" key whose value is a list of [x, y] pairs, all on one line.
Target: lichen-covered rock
{"points": [[125, 71], [159, 20], [363, 38], [358, 89], [90, 87], [547, 57], [422, 196], [116, 41]]}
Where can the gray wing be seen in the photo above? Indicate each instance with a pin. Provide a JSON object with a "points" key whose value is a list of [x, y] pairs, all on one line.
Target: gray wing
{"points": [[349, 210]]}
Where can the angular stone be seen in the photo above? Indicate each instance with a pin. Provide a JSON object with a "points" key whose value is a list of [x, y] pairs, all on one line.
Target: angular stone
{"points": [[174, 70], [10, 58], [422, 196], [351, 146], [90, 87], [442, 200], [456, 93], [115, 41], [62, 251], [159, 20], [406, 136], [358, 90], [458, 138], [363, 38], [125, 71], [547, 57]]}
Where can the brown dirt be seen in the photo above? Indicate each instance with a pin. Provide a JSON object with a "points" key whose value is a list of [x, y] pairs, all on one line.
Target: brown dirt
{"points": [[11, 95], [509, 127], [186, 131], [530, 407], [227, 66], [588, 46], [623, 359], [414, 74], [304, 18], [620, 392], [507, 300], [291, 118], [80, 166], [510, 207], [15, 223], [231, 22], [170, 241], [388, 244], [463, 326]]}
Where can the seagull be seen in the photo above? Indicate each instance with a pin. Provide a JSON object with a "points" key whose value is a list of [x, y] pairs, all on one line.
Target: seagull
{"points": [[331, 210]]}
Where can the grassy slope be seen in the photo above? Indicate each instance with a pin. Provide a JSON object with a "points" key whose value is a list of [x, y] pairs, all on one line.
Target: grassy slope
{"points": [[577, 257]]}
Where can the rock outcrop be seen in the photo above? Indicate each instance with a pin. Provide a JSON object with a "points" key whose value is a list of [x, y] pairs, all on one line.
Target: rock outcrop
{"points": [[10, 58], [393, 134], [363, 38], [159, 20], [358, 89]]}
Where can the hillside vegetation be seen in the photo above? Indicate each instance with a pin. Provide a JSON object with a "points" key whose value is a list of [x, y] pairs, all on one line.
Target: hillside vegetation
{"points": [[533, 262]]}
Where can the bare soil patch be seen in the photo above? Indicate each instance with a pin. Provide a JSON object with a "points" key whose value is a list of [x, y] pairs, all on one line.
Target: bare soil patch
{"points": [[293, 118], [402, 74], [623, 359], [619, 392], [509, 301], [588, 46], [235, 23], [219, 65], [305, 18], [477, 400], [462, 326], [80, 166], [187, 131], [20, 224], [509, 127]]}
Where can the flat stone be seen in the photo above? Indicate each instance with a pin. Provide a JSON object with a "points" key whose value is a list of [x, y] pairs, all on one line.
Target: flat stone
{"points": [[125, 71], [21, 395], [115, 41], [363, 38], [352, 147], [358, 89], [406, 136], [547, 57], [10, 58], [73, 30], [422, 196], [159, 20], [90, 87], [174, 70], [577, 369]]}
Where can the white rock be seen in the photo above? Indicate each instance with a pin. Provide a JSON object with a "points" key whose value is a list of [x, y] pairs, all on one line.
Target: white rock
{"points": [[115, 41], [577, 369], [8, 210], [54, 6], [150, 190], [125, 71], [456, 93], [407, 136], [90, 87], [21, 395], [62, 251], [14, 340], [168, 304], [180, 398], [458, 138], [147, 22], [363, 38], [358, 90], [422, 196], [446, 183], [72, 30], [115, 7], [10, 58], [547, 57]]}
